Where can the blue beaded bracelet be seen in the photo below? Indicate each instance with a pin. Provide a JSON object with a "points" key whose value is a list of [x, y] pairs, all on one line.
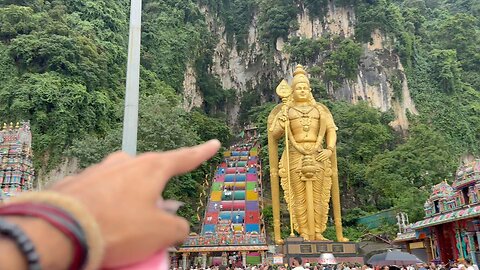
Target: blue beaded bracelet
{"points": [[23, 243]]}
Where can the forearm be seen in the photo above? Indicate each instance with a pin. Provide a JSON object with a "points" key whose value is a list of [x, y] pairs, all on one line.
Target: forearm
{"points": [[10, 256], [330, 139], [54, 249], [277, 130]]}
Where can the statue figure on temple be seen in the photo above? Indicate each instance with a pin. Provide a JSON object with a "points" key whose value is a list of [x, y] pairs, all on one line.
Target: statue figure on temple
{"points": [[308, 166]]}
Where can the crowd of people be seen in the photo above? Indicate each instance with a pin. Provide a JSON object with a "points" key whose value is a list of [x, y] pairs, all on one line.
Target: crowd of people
{"points": [[298, 264]]}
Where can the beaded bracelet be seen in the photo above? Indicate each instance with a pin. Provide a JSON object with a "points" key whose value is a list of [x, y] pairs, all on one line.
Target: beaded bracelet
{"points": [[60, 220], [23, 243], [77, 211]]}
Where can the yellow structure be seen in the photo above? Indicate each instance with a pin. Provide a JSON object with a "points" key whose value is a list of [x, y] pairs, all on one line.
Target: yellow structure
{"points": [[308, 166]]}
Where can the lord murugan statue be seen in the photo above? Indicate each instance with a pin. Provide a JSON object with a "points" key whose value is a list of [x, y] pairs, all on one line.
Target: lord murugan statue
{"points": [[308, 166]]}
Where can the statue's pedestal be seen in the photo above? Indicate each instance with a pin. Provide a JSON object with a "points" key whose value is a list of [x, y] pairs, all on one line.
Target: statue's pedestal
{"points": [[310, 251]]}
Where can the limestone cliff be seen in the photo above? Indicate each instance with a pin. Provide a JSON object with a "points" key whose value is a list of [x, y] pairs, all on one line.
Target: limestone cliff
{"points": [[245, 70], [378, 66], [191, 95], [68, 166]]}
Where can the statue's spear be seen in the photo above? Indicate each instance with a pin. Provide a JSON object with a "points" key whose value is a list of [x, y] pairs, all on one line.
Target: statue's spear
{"points": [[284, 91]]}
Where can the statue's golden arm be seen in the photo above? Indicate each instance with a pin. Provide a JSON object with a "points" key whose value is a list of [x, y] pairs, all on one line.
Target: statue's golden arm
{"points": [[275, 127], [330, 138], [273, 137]]}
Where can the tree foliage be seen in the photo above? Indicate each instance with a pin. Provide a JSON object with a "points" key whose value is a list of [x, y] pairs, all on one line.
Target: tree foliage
{"points": [[63, 66], [234, 15], [55, 66], [277, 18]]}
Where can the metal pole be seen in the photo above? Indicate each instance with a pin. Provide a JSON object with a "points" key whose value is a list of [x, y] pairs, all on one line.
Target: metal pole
{"points": [[130, 120]]}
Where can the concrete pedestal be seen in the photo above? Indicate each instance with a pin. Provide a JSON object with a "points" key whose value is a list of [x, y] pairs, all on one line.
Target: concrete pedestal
{"points": [[310, 251]]}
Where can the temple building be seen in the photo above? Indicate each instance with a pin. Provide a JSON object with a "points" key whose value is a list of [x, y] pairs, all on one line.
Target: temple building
{"points": [[16, 168], [451, 228]]}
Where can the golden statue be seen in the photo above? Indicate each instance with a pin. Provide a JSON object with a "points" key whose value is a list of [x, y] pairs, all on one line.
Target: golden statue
{"points": [[308, 166]]}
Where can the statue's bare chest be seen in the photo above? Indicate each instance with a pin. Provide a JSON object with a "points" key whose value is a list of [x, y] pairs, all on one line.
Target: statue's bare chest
{"points": [[300, 112], [304, 122]]}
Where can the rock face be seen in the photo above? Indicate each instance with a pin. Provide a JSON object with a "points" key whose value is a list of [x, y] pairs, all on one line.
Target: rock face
{"points": [[245, 70], [338, 21], [374, 82], [69, 166], [191, 95]]}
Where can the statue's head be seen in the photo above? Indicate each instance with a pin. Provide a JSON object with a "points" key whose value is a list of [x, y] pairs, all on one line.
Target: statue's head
{"points": [[301, 85]]}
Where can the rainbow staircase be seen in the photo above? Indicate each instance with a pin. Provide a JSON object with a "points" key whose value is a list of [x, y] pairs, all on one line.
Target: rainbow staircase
{"points": [[233, 220]]}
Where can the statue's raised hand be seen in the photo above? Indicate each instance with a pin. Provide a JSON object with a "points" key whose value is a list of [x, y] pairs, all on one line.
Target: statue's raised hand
{"points": [[282, 118], [323, 155]]}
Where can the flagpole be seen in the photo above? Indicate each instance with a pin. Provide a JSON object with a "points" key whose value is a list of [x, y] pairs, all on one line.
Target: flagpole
{"points": [[130, 120]]}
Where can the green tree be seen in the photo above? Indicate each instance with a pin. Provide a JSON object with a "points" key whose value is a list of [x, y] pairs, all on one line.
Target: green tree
{"points": [[362, 134], [412, 168], [210, 128], [446, 69], [277, 18]]}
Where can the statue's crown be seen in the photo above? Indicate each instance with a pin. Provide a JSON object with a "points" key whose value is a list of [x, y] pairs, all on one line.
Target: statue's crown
{"points": [[300, 76]]}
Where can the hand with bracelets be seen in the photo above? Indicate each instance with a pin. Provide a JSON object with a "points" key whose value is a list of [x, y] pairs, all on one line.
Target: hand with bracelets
{"points": [[108, 216]]}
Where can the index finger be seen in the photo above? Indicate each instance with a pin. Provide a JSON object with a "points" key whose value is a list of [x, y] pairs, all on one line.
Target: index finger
{"points": [[184, 160], [171, 163]]}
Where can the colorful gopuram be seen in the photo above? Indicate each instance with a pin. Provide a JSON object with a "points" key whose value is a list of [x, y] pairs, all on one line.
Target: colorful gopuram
{"points": [[233, 231], [16, 168], [451, 228]]}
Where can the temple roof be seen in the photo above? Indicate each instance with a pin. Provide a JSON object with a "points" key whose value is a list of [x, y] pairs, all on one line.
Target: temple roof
{"points": [[407, 236], [441, 191], [223, 248], [464, 213], [16, 139], [467, 174], [16, 168]]}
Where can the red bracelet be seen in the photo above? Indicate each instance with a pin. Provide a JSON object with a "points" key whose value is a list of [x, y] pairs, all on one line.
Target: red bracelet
{"points": [[60, 220]]}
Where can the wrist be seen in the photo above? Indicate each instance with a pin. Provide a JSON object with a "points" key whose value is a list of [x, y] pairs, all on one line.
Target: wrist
{"points": [[10, 255], [45, 238], [70, 219]]}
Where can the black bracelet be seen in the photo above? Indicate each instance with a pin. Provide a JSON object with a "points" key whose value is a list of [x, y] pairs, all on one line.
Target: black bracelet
{"points": [[23, 243], [61, 221]]}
